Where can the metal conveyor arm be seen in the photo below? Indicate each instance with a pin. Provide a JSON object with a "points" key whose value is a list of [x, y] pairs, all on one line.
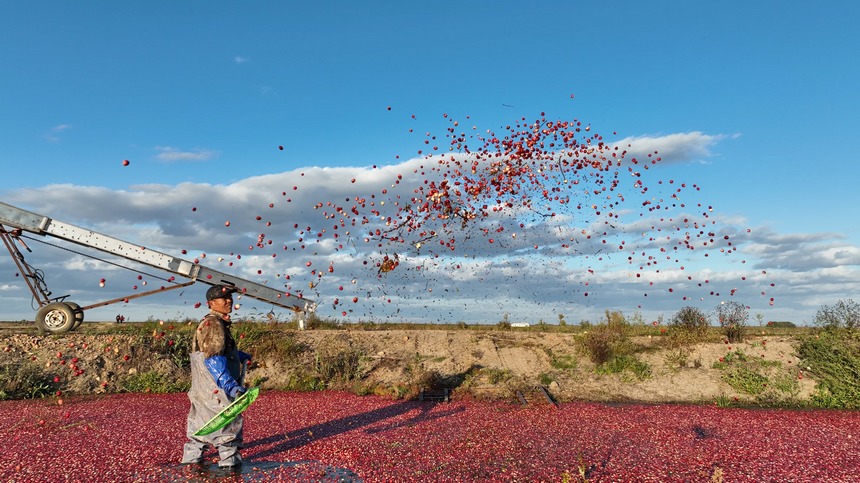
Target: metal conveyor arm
{"points": [[43, 225]]}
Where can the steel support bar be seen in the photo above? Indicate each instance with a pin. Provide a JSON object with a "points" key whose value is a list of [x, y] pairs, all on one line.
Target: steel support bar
{"points": [[522, 398], [548, 396], [43, 225], [137, 295]]}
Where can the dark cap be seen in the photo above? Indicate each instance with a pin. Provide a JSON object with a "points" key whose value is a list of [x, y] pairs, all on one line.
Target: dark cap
{"points": [[220, 292]]}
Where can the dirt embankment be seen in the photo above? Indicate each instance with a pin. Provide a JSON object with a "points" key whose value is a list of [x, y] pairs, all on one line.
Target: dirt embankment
{"points": [[469, 363]]}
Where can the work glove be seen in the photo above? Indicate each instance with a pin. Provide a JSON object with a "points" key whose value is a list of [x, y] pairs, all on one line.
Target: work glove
{"points": [[217, 366], [236, 392]]}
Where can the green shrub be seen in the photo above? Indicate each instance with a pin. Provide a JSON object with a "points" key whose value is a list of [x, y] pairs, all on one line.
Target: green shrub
{"points": [[733, 318], [833, 357], [562, 362], [174, 345], [337, 366], [24, 381], [313, 321], [154, 382], [277, 346], [786, 383], [734, 357], [598, 344], [497, 376], [605, 342], [679, 356], [620, 363], [505, 323], [759, 378], [689, 325], [616, 322], [723, 401], [745, 380], [842, 314], [248, 332], [304, 381], [428, 380]]}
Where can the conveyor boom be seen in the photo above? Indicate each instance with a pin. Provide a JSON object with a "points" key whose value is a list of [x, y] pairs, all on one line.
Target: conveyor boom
{"points": [[43, 225]]}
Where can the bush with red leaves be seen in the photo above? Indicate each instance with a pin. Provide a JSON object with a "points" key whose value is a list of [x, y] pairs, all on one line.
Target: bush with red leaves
{"points": [[334, 436]]}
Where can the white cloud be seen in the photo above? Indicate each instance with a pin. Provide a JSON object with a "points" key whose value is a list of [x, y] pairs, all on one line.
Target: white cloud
{"points": [[239, 59], [168, 153], [672, 148], [53, 134], [543, 268], [803, 251]]}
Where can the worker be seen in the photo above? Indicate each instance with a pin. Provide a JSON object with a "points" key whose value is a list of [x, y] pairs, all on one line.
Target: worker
{"points": [[217, 378]]}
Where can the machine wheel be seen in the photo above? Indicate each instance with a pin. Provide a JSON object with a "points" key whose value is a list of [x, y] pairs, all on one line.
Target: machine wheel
{"points": [[79, 314], [57, 318]]}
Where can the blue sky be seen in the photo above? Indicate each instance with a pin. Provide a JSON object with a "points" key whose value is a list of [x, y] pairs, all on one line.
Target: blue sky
{"points": [[755, 100]]}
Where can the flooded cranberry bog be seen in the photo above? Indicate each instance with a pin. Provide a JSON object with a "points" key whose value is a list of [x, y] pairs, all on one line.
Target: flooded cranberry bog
{"points": [[338, 436]]}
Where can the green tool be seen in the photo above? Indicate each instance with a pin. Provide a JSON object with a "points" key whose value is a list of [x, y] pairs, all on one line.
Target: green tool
{"points": [[228, 414]]}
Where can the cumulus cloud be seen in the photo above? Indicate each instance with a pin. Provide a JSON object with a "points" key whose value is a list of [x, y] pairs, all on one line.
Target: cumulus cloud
{"points": [[671, 148], [806, 251], [171, 154]]}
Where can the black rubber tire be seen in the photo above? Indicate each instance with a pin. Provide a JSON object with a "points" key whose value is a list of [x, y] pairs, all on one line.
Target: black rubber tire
{"points": [[56, 318], [79, 314]]}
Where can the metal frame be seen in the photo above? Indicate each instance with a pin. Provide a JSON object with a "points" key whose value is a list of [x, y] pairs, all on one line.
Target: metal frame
{"points": [[30, 276], [23, 220]]}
